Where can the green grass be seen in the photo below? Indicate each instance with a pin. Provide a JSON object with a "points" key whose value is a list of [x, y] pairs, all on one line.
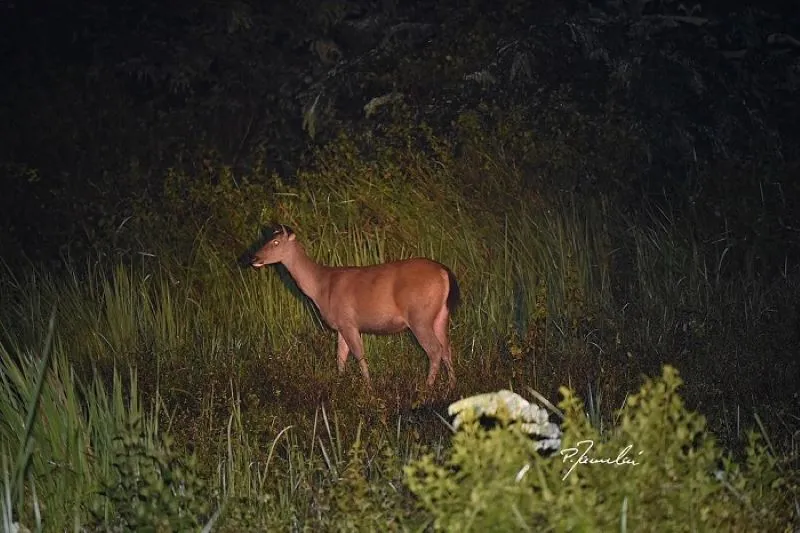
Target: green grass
{"points": [[220, 385]]}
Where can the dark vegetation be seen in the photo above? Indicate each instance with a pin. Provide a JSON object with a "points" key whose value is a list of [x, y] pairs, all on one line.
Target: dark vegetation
{"points": [[614, 184]]}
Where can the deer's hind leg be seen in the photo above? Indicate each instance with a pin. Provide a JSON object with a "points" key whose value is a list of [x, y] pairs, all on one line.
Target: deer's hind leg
{"points": [[440, 329], [427, 338]]}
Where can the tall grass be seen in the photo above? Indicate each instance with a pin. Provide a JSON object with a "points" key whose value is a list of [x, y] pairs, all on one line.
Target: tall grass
{"points": [[567, 292], [94, 455], [236, 362], [56, 433]]}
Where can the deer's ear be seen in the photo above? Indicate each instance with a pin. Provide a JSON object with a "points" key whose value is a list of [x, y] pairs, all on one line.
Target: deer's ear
{"points": [[291, 236]]}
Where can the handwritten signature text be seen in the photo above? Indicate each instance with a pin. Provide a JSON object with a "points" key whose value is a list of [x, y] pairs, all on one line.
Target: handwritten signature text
{"points": [[579, 455]]}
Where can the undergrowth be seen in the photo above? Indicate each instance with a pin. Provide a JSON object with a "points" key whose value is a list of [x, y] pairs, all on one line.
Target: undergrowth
{"points": [[233, 416], [657, 469]]}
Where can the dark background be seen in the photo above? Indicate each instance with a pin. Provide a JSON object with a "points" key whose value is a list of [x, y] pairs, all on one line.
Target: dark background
{"points": [[98, 100]]}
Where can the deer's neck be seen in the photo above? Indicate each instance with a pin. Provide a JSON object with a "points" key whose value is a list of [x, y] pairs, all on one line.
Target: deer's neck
{"points": [[310, 277]]}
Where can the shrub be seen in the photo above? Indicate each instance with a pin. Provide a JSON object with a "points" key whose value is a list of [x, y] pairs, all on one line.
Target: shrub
{"points": [[660, 470]]}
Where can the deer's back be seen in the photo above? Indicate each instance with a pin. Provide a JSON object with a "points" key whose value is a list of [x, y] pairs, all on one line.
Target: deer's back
{"points": [[381, 297]]}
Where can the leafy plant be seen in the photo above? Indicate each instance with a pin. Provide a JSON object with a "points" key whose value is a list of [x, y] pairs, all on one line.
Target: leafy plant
{"points": [[152, 487], [657, 470]]}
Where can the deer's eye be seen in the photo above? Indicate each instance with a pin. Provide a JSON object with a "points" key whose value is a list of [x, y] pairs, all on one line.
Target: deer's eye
{"points": [[275, 242]]}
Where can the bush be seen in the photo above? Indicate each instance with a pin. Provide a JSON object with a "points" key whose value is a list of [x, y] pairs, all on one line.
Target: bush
{"points": [[657, 470]]}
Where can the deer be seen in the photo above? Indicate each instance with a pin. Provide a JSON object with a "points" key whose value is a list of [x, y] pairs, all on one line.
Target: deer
{"points": [[415, 294]]}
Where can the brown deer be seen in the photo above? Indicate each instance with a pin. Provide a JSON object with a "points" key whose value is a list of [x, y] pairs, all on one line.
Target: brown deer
{"points": [[416, 294]]}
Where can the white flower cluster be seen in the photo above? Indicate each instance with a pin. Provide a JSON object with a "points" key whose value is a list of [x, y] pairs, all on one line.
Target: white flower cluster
{"points": [[532, 419]]}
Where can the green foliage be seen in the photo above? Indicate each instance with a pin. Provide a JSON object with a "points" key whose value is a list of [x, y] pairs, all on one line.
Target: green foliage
{"points": [[660, 471], [43, 437], [474, 489], [214, 202], [152, 487], [74, 442], [555, 287], [256, 347], [529, 188], [363, 498]]}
